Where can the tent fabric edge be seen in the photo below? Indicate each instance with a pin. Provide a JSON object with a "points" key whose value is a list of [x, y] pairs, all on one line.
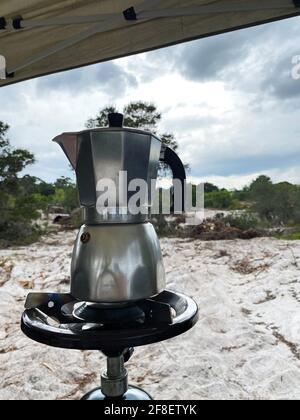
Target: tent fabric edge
{"points": [[188, 39]]}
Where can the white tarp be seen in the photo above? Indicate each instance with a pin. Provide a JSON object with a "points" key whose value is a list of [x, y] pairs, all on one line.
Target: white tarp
{"points": [[39, 37]]}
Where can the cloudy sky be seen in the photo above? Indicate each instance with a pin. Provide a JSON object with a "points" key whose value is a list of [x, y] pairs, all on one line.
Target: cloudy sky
{"points": [[230, 100]]}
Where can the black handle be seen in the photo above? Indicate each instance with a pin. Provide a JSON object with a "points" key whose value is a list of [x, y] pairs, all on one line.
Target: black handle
{"points": [[170, 158]]}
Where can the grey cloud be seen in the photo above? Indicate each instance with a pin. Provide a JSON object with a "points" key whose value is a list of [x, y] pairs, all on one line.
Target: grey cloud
{"points": [[109, 77], [206, 59], [278, 80], [210, 58], [157, 63], [251, 60]]}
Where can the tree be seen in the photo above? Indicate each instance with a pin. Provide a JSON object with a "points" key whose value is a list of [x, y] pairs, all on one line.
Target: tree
{"points": [[64, 182], [142, 115], [276, 203], [260, 182], [3, 131], [46, 189], [66, 194], [284, 202], [101, 120], [12, 161], [296, 203], [139, 115], [261, 193], [33, 185], [208, 187], [18, 207]]}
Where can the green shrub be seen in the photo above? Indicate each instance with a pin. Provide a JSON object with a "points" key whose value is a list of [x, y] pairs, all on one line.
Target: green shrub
{"points": [[218, 200], [163, 227], [294, 236], [18, 233], [275, 203], [237, 205], [243, 221]]}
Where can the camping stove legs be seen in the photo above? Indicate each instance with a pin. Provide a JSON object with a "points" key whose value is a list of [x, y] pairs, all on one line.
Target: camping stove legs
{"points": [[114, 384]]}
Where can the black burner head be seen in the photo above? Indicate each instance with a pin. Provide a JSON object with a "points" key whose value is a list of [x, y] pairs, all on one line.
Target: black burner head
{"points": [[130, 315]]}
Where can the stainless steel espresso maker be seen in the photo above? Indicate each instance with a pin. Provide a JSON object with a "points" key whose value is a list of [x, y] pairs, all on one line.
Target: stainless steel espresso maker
{"points": [[117, 256], [118, 299]]}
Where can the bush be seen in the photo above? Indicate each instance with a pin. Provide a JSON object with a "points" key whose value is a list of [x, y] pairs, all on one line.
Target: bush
{"points": [[18, 233], [237, 205], [65, 195], [275, 203], [243, 221], [218, 200], [76, 218], [163, 227], [291, 236]]}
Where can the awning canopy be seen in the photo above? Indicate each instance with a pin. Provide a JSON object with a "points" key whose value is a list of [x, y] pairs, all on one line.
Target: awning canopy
{"points": [[39, 37]]}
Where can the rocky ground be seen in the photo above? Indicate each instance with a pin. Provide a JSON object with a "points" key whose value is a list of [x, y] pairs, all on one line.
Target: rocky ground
{"points": [[245, 346]]}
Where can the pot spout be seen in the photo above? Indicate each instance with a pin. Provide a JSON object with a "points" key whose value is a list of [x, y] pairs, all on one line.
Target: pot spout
{"points": [[68, 142]]}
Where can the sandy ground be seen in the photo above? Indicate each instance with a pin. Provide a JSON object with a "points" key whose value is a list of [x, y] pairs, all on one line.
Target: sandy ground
{"points": [[245, 346]]}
